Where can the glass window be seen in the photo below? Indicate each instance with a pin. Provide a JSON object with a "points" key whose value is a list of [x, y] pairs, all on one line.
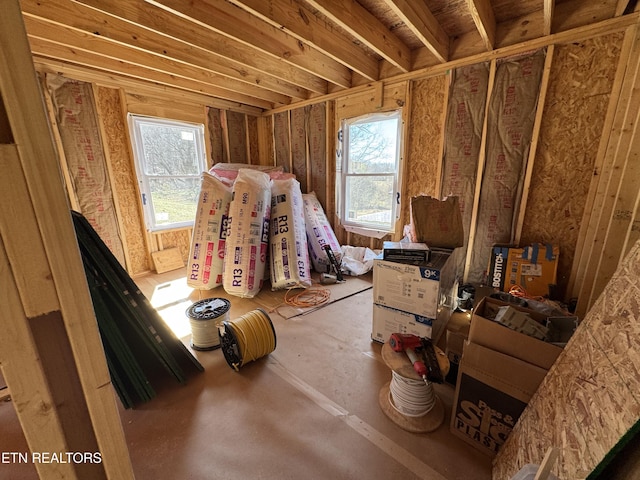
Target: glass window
{"points": [[169, 158], [368, 173]]}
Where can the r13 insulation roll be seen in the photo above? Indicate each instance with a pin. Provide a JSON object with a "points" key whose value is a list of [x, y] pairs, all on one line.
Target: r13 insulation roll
{"points": [[247, 234], [204, 268], [290, 266], [319, 234]]}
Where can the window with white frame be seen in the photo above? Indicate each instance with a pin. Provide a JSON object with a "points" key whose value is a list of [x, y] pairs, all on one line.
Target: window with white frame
{"points": [[169, 158], [368, 171]]}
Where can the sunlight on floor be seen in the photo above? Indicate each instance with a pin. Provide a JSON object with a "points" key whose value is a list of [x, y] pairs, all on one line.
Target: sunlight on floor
{"points": [[171, 300]]}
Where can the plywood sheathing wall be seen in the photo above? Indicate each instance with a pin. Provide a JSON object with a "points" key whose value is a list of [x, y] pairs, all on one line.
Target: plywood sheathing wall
{"points": [[589, 399], [424, 133], [579, 88], [123, 178]]}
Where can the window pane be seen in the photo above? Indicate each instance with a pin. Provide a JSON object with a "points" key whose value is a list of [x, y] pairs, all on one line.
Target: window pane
{"points": [[169, 150], [369, 200], [174, 199], [373, 146]]}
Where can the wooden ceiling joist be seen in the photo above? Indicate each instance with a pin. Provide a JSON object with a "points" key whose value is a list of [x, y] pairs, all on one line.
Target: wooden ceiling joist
{"points": [[46, 37], [234, 22], [366, 28], [307, 27], [424, 25], [225, 51], [110, 65], [485, 21]]}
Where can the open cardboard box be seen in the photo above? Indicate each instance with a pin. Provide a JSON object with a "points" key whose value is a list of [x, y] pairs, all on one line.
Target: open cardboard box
{"points": [[499, 372], [491, 334]]}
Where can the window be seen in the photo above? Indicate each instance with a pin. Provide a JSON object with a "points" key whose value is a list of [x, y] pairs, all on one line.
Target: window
{"points": [[368, 173], [169, 158]]}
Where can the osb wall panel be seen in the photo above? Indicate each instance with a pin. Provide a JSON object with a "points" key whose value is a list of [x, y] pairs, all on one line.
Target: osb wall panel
{"points": [[281, 140], [299, 146], [424, 135], [177, 238], [589, 399], [317, 137], [237, 132], [580, 82], [214, 127], [252, 139], [123, 177]]}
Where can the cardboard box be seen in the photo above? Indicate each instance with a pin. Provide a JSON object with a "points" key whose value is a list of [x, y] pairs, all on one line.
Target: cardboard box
{"points": [[492, 391], [406, 252], [490, 334], [388, 320], [533, 268], [414, 288]]}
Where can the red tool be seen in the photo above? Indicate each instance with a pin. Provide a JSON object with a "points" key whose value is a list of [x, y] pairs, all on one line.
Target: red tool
{"points": [[400, 342]]}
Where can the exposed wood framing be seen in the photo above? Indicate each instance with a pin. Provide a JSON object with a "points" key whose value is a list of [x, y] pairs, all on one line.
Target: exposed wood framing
{"points": [[535, 136], [42, 239], [306, 27], [610, 213], [586, 237], [485, 21], [356, 20], [424, 25], [549, 6], [227, 19]]}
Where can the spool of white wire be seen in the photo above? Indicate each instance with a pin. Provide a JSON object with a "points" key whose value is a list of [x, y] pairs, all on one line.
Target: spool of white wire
{"points": [[410, 397], [205, 316]]}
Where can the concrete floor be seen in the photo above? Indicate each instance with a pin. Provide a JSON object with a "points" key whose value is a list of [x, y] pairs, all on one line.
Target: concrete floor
{"points": [[307, 410]]}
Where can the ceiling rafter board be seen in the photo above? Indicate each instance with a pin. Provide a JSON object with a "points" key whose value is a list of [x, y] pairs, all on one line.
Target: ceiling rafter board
{"points": [[573, 35], [229, 20], [357, 20], [228, 51], [419, 19], [485, 21], [120, 39], [22, 98], [614, 163], [145, 51], [138, 86], [307, 27], [96, 61], [585, 237]]}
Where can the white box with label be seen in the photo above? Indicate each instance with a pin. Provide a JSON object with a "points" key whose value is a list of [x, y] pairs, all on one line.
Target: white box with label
{"points": [[390, 320]]}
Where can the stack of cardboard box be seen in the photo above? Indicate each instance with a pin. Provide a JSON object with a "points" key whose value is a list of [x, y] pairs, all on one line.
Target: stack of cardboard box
{"points": [[416, 299], [500, 370]]}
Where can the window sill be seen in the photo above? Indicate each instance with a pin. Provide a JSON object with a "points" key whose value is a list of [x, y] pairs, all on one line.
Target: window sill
{"points": [[367, 232]]}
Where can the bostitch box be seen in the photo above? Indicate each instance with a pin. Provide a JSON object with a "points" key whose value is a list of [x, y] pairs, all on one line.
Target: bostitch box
{"points": [[534, 268]]}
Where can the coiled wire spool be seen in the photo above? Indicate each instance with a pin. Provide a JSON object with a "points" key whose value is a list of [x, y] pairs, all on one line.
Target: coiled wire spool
{"points": [[205, 317], [247, 338], [406, 399], [412, 398]]}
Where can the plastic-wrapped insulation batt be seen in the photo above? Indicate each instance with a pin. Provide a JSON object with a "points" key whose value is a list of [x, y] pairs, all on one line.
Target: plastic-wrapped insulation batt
{"points": [[290, 266], [247, 234], [204, 267], [319, 234]]}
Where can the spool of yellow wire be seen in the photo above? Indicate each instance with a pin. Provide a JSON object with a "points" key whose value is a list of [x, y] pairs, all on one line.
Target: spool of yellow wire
{"points": [[247, 338]]}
